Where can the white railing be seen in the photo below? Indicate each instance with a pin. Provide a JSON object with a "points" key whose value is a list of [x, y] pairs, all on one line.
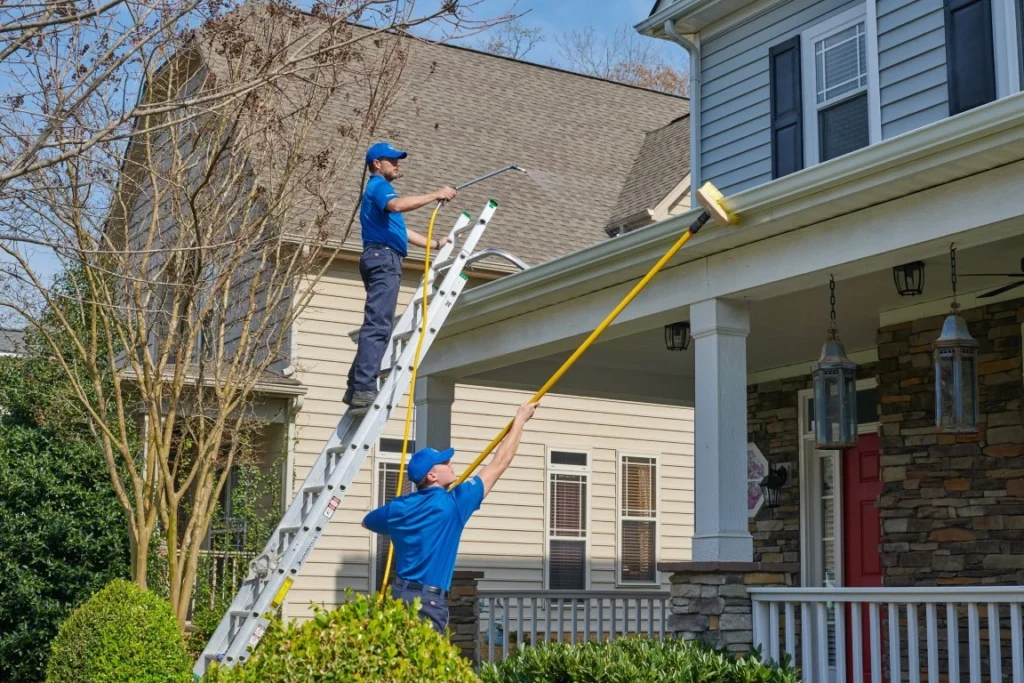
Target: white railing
{"points": [[837, 635], [510, 619]]}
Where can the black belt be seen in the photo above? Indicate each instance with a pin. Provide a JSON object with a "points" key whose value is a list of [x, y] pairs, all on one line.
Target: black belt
{"points": [[402, 584]]}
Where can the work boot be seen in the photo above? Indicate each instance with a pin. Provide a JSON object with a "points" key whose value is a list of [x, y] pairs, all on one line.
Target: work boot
{"points": [[361, 400], [347, 398]]}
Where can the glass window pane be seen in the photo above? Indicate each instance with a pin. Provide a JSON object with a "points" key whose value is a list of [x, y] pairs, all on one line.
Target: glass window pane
{"points": [[944, 381], [967, 382], [840, 63], [638, 487], [843, 127], [567, 565], [568, 458], [638, 551], [827, 474]]}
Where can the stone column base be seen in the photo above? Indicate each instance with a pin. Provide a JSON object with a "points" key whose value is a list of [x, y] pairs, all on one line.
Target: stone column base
{"points": [[464, 613], [710, 600]]}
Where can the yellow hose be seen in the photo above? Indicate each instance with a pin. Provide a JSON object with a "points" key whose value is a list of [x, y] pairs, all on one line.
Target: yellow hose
{"points": [[582, 348], [412, 382]]}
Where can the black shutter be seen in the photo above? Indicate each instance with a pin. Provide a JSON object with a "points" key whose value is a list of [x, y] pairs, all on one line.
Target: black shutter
{"points": [[970, 54], [787, 110]]}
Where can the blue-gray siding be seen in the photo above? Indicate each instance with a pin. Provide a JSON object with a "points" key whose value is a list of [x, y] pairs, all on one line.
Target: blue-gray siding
{"points": [[911, 64], [735, 111], [735, 135]]}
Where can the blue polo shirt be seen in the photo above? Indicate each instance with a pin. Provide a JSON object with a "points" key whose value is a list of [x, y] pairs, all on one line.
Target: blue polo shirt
{"points": [[426, 527], [379, 225]]}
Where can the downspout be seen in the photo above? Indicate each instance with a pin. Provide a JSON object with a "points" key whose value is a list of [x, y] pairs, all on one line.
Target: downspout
{"points": [[692, 47]]}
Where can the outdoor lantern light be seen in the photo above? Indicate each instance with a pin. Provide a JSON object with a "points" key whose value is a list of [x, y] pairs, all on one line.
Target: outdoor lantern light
{"points": [[771, 486], [835, 391], [677, 336], [909, 278], [956, 371]]}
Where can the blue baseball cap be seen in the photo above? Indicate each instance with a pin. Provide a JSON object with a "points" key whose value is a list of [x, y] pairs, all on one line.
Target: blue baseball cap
{"points": [[383, 150], [424, 460]]}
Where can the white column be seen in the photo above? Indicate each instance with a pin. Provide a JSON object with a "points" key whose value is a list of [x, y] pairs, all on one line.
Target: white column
{"points": [[434, 397], [719, 328]]}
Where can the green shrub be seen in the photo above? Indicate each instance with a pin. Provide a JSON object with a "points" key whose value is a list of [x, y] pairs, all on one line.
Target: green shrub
{"points": [[632, 660], [362, 640], [63, 534], [121, 634]]}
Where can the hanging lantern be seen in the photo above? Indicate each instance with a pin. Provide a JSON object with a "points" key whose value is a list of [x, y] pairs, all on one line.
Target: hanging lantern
{"points": [[771, 486], [835, 391], [955, 354], [677, 336], [909, 278]]}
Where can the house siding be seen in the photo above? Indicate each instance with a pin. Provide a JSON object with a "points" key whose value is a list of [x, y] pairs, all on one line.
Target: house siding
{"points": [[506, 539], [735, 107], [911, 64]]}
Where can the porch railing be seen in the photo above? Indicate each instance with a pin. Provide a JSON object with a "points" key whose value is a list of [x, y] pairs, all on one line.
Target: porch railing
{"points": [[511, 619], [221, 572], [875, 634]]}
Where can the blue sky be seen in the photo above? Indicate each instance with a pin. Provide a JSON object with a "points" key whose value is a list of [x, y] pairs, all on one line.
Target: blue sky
{"points": [[560, 16]]}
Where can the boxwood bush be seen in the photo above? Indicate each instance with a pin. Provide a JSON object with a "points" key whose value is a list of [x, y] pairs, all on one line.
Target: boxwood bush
{"points": [[368, 638], [633, 660], [122, 634]]}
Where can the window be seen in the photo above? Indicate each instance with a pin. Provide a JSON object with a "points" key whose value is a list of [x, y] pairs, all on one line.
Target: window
{"points": [[389, 454], [568, 502], [840, 89], [638, 519]]}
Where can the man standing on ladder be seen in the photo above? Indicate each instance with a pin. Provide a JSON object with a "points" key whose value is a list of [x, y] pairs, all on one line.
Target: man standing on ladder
{"points": [[425, 526], [386, 242]]}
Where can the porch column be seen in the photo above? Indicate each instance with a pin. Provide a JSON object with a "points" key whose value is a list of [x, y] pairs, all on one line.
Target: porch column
{"points": [[719, 328], [434, 397]]}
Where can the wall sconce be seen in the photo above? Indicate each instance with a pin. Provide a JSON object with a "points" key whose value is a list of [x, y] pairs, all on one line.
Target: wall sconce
{"points": [[909, 278], [771, 486], [677, 336]]}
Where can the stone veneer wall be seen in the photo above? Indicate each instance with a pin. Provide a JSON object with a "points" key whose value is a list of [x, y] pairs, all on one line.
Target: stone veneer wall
{"points": [[464, 613], [952, 507]]}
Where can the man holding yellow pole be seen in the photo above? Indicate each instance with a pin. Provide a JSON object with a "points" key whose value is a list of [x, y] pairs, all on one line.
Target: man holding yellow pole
{"points": [[426, 526]]}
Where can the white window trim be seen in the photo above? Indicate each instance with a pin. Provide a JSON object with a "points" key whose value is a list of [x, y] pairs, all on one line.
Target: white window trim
{"points": [[619, 518], [378, 457], [1006, 45], [809, 95], [810, 493], [550, 468]]}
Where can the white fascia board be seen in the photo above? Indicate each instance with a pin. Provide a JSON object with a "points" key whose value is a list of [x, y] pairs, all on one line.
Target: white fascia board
{"points": [[864, 178], [979, 209]]}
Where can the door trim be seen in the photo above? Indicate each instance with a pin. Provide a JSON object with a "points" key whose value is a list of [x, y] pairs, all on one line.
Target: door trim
{"points": [[811, 528]]}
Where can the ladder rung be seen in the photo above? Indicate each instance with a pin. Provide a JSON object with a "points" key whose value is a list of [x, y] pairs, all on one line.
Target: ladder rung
{"points": [[285, 530], [241, 613], [313, 488], [444, 265]]}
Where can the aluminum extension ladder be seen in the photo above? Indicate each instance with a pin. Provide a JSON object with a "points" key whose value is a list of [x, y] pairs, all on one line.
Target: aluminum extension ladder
{"points": [[272, 574]]}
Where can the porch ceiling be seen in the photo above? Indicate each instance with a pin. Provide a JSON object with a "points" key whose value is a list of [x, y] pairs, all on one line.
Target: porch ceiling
{"points": [[786, 330]]}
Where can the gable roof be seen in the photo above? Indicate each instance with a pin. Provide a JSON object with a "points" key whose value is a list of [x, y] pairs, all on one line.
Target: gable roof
{"points": [[462, 113], [663, 161]]}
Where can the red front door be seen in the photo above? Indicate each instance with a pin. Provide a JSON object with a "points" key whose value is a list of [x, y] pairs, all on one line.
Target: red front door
{"points": [[862, 532]]}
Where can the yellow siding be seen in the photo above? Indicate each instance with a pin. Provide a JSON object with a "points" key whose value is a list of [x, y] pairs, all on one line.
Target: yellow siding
{"points": [[506, 538]]}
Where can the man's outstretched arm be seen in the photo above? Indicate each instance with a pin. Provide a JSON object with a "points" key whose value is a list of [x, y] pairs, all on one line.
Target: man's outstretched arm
{"points": [[507, 450], [403, 204]]}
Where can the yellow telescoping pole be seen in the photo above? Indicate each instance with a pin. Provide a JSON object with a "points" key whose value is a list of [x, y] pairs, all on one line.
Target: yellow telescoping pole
{"points": [[710, 198]]}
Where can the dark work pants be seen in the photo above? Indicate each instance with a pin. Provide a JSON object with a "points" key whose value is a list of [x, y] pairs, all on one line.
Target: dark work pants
{"points": [[434, 607], [381, 270]]}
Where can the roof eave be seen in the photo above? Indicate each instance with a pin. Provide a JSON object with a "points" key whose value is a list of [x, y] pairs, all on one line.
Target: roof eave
{"points": [[810, 186]]}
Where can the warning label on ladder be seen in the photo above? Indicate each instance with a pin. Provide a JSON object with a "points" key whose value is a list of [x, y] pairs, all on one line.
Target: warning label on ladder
{"points": [[331, 507]]}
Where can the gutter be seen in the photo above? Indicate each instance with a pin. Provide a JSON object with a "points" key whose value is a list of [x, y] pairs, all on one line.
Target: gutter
{"points": [[672, 12], [774, 199], [693, 48]]}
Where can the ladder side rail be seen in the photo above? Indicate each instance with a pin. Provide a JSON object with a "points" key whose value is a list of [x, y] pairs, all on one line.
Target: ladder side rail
{"points": [[343, 473], [322, 510]]}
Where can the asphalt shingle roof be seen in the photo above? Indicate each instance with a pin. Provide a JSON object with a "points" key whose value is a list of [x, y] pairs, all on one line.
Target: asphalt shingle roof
{"points": [[462, 113], [663, 162]]}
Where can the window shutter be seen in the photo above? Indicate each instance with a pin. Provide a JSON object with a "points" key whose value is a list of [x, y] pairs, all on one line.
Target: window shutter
{"points": [[786, 108], [970, 54]]}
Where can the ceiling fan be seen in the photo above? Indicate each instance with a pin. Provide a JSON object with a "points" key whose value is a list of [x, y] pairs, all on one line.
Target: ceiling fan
{"points": [[1005, 288]]}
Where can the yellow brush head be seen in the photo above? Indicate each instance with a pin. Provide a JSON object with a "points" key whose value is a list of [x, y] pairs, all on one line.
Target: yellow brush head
{"points": [[711, 199]]}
